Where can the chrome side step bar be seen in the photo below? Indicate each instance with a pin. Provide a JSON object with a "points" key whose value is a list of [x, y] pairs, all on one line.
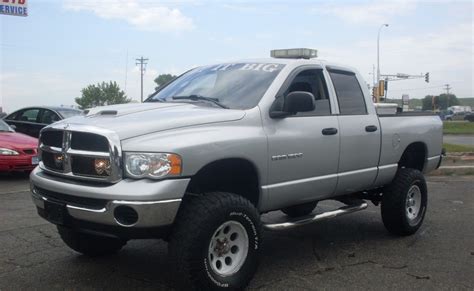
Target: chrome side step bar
{"points": [[318, 217]]}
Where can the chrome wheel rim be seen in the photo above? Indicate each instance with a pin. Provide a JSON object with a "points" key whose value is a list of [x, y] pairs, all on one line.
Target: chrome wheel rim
{"points": [[228, 248], [413, 203]]}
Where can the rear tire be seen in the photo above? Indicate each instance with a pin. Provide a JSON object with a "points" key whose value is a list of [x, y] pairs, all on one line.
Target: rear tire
{"points": [[215, 242], [404, 202], [300, 210], [88, 244]]}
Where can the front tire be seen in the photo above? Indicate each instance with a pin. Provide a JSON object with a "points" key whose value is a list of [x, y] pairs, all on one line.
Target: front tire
{"points": [[404, 202], [88, 244], [215, 242]]}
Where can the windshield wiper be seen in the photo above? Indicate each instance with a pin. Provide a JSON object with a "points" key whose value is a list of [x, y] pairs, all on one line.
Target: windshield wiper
{"points": [[154, 100], [201, 98]]}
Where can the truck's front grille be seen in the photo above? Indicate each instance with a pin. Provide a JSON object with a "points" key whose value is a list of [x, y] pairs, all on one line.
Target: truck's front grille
{"points": [[85, 166], [49, 161], [52, 138], [89, 142], [80, 153]]}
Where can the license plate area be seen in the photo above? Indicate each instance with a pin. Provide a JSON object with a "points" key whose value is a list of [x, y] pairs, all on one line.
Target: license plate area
{"points": [[55, 212], [35, 160]]}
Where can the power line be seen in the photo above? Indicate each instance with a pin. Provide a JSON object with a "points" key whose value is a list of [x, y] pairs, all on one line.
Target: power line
{"points": [[142, 62]]}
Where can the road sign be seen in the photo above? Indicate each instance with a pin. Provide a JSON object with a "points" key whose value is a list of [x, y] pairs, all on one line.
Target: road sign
{"points": [[406, 99], [14, 7]]}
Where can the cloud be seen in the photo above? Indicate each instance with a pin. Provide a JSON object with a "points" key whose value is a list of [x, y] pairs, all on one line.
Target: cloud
{"points": [[144, 16], [447, 54], [37, 92], [372, 12]]}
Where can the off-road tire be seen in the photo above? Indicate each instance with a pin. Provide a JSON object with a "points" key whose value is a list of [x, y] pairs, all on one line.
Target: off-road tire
{"points": [[197, 222], [88, 244], [300, 210], [395, 213]]}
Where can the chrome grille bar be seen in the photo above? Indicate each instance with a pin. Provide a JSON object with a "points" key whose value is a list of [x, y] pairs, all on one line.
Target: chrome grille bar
{"points": [[114, 153]]}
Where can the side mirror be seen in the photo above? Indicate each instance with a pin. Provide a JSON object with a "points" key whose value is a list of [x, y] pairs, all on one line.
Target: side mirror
{"points": [[13, 127], [294, 102]]}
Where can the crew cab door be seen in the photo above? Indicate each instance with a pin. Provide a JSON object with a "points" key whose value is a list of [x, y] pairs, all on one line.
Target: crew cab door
{"points": [[359, 133], [303, 148]]}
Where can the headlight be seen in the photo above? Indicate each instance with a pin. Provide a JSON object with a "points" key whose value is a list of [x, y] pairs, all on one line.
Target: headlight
{"points": [[152, 165], [8, 152]]}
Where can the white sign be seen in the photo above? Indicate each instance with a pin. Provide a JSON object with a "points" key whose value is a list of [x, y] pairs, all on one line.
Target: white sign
{"points": [[405, 99], [14, 7]]}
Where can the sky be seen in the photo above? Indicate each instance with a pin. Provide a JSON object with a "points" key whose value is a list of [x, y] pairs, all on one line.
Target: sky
{"points": [[63, 46]]}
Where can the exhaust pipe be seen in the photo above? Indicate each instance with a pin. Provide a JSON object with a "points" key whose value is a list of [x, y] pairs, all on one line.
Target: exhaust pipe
{"points": [[318, 217]]}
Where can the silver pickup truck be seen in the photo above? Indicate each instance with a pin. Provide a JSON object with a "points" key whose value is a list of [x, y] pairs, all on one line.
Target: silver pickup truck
{"points": [[206, 155]]}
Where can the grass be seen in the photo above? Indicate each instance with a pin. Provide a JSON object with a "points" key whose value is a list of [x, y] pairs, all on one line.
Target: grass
{"points": [[454, 148], [458, 127]]}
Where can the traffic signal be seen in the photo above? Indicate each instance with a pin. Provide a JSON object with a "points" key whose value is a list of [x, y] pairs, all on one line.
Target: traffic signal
{"points": [[427, 77], [381, 88], [375, 96]]}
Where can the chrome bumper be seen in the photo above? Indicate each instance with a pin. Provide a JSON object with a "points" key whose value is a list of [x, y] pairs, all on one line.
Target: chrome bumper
{"points": [[151, 213]]}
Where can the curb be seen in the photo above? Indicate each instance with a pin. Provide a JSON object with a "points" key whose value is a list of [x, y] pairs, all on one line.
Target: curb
{"points": [[453, 171], [456, 164]]}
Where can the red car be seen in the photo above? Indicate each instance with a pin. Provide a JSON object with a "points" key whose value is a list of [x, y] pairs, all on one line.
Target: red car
{"points": [[17, 151]]}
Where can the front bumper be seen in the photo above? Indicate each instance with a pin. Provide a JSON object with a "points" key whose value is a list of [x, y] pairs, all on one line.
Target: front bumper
{"points": [[16, 163], [155, 203]]}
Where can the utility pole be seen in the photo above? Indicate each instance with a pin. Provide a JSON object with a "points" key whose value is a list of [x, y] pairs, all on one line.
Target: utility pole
{"points": [[378, 51], [142, 62], [373, 75], [126, 72], [447, 94]]}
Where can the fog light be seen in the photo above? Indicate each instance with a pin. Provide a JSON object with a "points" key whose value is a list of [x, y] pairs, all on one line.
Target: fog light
{"points": [[125, 215], [58, 160], [102, 166]]}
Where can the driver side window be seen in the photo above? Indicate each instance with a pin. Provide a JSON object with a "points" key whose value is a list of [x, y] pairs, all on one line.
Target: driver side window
{"points": [[312, 81]]}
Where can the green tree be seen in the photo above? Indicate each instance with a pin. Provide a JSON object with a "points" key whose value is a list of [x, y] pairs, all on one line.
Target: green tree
{"points": [[443, 101], [101, 94], [427, 103], [440, 102], [163, 79]]}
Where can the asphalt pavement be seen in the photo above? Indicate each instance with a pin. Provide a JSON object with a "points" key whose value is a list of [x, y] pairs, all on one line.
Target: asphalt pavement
{"points": [[350, 252]]}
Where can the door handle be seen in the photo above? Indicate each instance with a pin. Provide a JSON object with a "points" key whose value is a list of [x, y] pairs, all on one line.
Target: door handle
{"points": [[329, 131], [371, 128]]}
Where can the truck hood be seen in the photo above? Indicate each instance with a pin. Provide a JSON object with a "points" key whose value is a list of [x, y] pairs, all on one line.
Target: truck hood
{"points": [[131, 120]]}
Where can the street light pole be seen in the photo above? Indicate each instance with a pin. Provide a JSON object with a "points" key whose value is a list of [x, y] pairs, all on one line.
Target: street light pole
{"points": [[378, 51]]}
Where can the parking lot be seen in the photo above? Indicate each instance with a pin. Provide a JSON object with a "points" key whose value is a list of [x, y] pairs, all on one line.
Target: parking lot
{"points": [[352, 251]]}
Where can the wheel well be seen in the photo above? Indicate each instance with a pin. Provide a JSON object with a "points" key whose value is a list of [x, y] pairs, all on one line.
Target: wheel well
{"points": [[238, 176], [414, 156]]}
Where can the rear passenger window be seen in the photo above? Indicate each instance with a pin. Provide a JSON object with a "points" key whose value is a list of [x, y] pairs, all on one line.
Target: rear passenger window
{"points": [[349, 94]]}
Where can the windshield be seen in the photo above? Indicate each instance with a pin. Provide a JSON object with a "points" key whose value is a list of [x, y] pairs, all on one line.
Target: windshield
{"points": [[236, 86], [4, 126], [69, 113]]}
